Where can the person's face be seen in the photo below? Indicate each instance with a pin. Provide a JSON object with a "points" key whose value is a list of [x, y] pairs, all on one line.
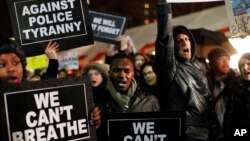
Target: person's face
{"points": [[61, 74], [139, 60], [95, 77], [183, 46], [11, 67], [149, 75], [121, 74], [245, 69], [221, 65]]}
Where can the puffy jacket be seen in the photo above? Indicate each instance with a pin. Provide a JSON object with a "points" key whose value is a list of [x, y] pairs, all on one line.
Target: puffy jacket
{"points": [[183, 82]]}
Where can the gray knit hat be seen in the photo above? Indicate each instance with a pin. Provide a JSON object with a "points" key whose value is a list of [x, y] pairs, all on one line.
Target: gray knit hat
{"points": [[215, 53]]}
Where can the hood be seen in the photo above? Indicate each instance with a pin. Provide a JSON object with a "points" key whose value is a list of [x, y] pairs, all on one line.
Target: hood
{"points": [[182, 29]]}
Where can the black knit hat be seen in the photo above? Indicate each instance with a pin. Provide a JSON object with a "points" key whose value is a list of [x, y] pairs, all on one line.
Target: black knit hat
{"points": [[215, 53]]}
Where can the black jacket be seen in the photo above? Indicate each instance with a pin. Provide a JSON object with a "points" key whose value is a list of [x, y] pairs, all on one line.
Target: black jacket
{"points": [[183, 82], [237, 115], [140, 102]]}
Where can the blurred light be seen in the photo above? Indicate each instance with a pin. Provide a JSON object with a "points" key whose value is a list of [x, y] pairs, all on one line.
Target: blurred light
{"points": [[146, 5], [153, 53], [146, 12], [242, 46], [207, 61], [146, 21]]}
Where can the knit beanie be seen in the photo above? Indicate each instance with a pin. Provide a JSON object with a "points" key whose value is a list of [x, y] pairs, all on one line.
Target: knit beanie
{"points": [[215, 53]]}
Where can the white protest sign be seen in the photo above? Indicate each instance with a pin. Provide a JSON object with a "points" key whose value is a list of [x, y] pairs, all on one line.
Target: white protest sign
{"points": [[68, 60], [239, 17]]}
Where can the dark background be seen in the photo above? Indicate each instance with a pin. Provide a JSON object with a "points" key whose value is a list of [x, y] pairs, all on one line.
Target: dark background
{"points": [[133, 10]]}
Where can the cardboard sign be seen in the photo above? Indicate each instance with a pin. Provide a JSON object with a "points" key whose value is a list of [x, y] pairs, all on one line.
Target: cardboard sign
{"points": [[36, 62], [47, 110], [35, 22], [151, 126], [106, 27], [239, 14]]}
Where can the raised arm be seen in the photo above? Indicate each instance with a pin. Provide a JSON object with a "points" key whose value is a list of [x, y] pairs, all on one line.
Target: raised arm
{"points": [[51, 52], [164, 45]]}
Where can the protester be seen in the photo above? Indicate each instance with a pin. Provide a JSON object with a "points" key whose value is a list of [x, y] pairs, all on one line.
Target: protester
{"points": [[13, 57], [139, 60], [62, 73], [148, 80], [97, 74], [220, 76], [13, 63], [181, 76], [237, 115], [122, 94]]}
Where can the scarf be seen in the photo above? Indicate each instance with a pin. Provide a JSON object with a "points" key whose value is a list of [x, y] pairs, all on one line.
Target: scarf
{"points": [[121, 98]]}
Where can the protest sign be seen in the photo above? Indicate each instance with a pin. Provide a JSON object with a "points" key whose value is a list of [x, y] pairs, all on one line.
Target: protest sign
{"points": [[68, 60], [35, 22], [55, 109], [239, 17], [107, 27], [151, 126], [36, 62]]}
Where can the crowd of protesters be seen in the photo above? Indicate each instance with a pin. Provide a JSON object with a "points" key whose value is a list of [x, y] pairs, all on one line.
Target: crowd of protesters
{"points": [[216, 98]]}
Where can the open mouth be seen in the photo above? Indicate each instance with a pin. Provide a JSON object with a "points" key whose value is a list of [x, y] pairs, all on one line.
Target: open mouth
{"points": [[12, 79], [186, 50], [121, 83], [247, 73]]}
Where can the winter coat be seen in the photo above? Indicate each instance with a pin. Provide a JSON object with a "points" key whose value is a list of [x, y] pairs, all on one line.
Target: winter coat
{"points": [[140, 102], [183, 82], [220, 99]]}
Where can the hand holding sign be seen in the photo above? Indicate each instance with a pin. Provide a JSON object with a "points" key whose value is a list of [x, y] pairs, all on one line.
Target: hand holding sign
{"points": [[96, 117]]}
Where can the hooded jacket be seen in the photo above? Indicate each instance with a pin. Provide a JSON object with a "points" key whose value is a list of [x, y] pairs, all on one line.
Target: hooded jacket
{"points": [[183, 82]]}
